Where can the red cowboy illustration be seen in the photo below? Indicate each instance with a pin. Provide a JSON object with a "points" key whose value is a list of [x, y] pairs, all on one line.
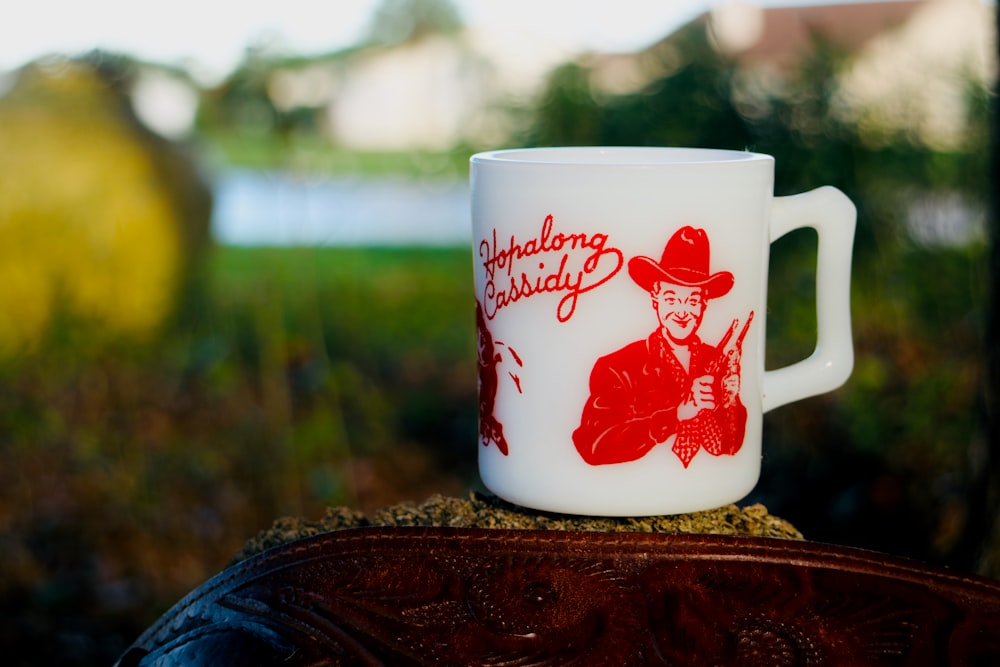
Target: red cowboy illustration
{"points": [[670, 384]]}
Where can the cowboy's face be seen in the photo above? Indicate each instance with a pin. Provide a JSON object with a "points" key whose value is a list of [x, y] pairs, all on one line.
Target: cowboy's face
{"points": [[679, 308]]}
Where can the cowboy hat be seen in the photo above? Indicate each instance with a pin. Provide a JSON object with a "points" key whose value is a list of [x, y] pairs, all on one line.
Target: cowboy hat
{"points": [[684, 262]]}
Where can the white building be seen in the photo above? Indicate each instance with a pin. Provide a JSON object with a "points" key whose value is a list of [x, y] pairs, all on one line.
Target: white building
{"points": [[910, 62], [427, 94]]}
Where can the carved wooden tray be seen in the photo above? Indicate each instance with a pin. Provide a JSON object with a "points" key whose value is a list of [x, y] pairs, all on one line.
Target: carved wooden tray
{"points": [[465, 596]]}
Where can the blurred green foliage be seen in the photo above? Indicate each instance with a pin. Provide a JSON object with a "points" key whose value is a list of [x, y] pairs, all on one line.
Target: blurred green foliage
{"points": [[399, 21], [312, 377]]}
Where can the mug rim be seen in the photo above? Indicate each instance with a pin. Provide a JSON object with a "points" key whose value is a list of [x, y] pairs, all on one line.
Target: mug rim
{"points": [[631, 156]]}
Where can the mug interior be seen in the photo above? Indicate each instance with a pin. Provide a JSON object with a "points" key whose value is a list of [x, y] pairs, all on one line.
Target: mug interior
{"points": [[617, 155]]}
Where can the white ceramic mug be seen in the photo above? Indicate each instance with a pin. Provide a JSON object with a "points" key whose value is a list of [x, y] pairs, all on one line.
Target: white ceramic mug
{"points": [[621, 298]]}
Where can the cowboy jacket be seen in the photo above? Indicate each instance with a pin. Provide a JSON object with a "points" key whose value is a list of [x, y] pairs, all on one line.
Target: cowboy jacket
{"points": [[634, 396]]}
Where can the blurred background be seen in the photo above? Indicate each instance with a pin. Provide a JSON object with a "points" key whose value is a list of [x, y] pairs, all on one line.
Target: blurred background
{"points": [[235, 282]]}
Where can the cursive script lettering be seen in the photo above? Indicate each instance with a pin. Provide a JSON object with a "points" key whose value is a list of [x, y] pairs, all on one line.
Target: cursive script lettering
{"points": [[551, 262]]}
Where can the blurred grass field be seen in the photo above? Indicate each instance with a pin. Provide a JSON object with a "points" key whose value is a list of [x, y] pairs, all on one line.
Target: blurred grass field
{"points": [[303, 378]]}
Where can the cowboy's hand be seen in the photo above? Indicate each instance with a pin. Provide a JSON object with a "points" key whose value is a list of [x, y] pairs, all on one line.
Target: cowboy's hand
{"points": [[702, 397]]}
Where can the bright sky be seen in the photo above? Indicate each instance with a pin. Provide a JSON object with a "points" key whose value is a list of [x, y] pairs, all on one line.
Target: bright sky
{"points": [[210, 36]]}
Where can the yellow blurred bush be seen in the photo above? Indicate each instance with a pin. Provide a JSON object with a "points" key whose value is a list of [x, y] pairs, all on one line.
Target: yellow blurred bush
{"points": [[88, 222]]}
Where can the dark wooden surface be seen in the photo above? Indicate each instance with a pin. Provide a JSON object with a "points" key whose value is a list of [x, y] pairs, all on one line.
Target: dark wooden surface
{"points": [[439, 596]]}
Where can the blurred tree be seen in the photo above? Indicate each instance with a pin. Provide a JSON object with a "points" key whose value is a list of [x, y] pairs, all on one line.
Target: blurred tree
{"points": [[100, 219], [691, 105], [399, 21], [979, 543], [241, 100], [568, 113]]}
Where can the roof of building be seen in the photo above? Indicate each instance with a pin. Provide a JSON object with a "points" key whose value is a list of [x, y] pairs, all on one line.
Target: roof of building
{"points": [[781, 35]]}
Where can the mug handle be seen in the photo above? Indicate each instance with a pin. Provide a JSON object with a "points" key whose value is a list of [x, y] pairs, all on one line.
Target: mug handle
{"points": [[833, 216]]}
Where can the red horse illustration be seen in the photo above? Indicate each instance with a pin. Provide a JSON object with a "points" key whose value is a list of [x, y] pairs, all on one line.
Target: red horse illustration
{"points": [[490, 428], [670, 383]]}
